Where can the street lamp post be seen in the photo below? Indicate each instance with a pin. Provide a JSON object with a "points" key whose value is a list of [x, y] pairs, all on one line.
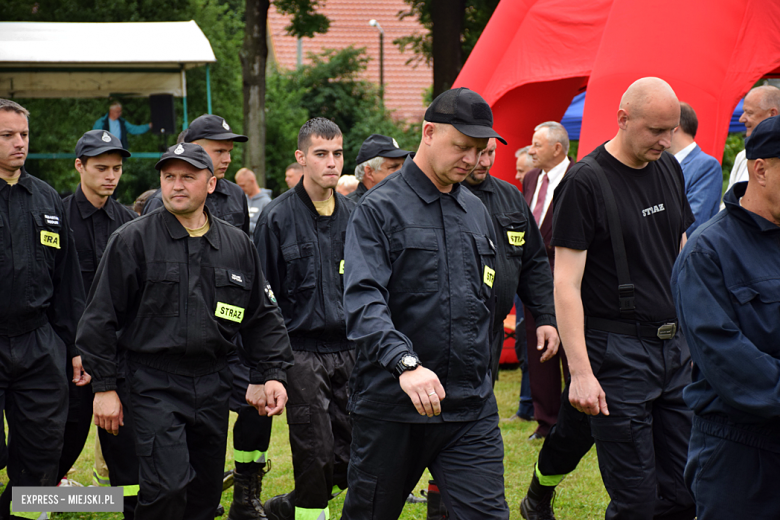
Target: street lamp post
{"points": [[374, 23]]}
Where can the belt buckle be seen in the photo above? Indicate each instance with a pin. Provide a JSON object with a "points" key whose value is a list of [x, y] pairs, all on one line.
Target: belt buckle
{"points": [[667, 331]]}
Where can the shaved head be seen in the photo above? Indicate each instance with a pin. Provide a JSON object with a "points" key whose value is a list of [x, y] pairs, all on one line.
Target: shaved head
{"points": [[649, 94]]}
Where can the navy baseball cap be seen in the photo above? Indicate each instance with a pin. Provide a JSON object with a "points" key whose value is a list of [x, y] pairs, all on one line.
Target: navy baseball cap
{"points": [[377, 145], [96, 142], [209, 126], [187, 152], [764, 141], [466, 111]]}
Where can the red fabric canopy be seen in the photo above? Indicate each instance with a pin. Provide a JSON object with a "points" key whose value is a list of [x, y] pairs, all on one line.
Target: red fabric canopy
{"points": [[535, 55]]}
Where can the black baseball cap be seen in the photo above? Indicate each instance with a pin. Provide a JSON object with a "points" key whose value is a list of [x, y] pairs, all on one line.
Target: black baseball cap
{"points": [[209, 126], [187, 152], [96, 142], [377, 145], [764, 141], [466, 111]]}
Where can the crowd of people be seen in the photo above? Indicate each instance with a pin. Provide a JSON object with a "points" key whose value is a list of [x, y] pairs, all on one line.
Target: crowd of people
{"points": [[647, 319]]}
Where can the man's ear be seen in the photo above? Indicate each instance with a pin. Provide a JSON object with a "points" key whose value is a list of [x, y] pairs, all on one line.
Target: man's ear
{"points": [[773, 111], [622, 117], [368, 172], [212, 184], [759, 170], [427, 132], [78, 165], [300, 157]]}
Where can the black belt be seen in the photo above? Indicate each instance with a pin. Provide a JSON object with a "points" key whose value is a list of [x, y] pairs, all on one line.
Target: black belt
{"points": [[665, 331]]}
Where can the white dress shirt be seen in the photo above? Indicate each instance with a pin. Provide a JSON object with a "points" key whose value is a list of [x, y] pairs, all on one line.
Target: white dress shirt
{"points": [[682, 154], [554, 177]]}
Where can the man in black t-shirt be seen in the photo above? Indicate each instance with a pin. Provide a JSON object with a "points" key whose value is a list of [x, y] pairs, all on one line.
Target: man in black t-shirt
{"points": [[628, 363]]}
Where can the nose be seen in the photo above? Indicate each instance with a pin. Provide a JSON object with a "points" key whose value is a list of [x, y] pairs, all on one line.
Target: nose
{"points": [[228, 159], [484, 160], [742, 118], [666, 139]]}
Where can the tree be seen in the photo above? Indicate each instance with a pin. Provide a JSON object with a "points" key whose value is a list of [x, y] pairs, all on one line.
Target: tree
{"points": [[454, 26]]}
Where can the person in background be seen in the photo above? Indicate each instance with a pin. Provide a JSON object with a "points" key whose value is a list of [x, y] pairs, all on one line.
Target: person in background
{"points": [[347, 184], [379, 156], [293, 174], [140, 202], [257, 197], [114, 123], [523, 164]]}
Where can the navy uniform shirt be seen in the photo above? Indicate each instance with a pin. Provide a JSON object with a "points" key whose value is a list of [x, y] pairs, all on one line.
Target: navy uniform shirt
{"points": [[228, 202], [522, 267], [419, 276], [726, 287], [40, 279], [174, 302], [91, 228]]}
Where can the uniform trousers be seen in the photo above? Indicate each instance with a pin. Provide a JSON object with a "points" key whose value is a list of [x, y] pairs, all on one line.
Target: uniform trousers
{"points": [[78, 422], [733, 470], [181, 427], [388, 459], [251, 431], [320, 427], [34, 397]]}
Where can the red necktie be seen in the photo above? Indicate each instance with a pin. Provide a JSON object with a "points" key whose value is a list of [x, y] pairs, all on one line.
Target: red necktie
{"points": [[540, 199]]}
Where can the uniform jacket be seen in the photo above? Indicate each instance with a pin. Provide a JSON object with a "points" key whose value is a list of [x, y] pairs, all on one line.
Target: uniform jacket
{"points": [[703, 184], [174, 303], [91, 228], [40, 280], [420, 271], [227, 202], [521, 263], [356, 195], [302, 255], [726, 287], [529, 187]]}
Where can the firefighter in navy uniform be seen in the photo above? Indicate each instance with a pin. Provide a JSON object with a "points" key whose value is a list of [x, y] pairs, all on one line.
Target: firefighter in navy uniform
{"points": [[173, 289], [300, 238], [93, 215], [251, 432], [42, 300]]}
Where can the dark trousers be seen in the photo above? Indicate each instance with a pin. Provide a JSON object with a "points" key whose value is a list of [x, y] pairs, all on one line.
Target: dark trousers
{"points": [[120, 456], [569, 440], [181, 434], [78, 422], [733, 470], [34, 397], [642, 445], [251, 431], [546, 379], [388, 459], [320, 428]]}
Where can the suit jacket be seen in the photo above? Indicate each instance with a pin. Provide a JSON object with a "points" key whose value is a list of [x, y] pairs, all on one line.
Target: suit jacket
{"points": [[529, 187], [703, 185]]}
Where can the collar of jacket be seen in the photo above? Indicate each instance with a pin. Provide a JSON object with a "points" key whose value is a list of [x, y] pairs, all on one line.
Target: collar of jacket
{"points": [[301, 192], [177, 231], [487, 185], [222, 187], [86, 209], [424, 187], [26, 181], [731, 200]]}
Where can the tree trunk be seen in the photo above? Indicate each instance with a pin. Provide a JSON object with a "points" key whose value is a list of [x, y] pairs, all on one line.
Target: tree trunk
{"points": [[253, 61], [447, 20]]}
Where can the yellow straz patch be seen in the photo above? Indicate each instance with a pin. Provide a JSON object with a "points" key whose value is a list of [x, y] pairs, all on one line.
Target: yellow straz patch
{"points": [[489, 276], [229, 312], [341, 267], [516, 238], [50, 239]]}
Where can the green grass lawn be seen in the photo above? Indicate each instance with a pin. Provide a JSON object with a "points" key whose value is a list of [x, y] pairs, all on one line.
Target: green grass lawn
{"points": [[580, 496]]}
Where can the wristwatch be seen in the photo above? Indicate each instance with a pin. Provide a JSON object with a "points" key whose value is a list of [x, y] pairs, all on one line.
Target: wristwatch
{"points": [[408, 361]]}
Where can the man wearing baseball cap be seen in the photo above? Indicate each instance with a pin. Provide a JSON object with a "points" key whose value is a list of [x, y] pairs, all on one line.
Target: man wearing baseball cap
{"points": [[726, 286], [420, 261], [94, 215], [172, 290], [379, 156]]}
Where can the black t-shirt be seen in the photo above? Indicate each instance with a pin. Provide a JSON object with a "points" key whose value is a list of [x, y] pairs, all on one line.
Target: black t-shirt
{"points": [[654, 213]]}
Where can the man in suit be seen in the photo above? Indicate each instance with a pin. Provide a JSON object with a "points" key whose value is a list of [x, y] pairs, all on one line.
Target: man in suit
{"points": [[548, 151], [703, 176]]}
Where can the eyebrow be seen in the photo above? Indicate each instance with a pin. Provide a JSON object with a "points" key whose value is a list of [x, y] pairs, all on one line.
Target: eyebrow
{"points": [[318, 150]]}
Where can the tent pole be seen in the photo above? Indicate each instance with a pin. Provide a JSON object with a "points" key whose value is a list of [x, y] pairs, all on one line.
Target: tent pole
{"points": [[185, 124], [208, 87]]}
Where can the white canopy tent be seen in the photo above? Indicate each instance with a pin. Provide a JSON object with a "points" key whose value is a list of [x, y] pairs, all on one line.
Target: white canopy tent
{"points": [[66, 60]]}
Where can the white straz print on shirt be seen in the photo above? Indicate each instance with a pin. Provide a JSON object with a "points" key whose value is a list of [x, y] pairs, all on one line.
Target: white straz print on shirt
{"points": [[653, 209]]}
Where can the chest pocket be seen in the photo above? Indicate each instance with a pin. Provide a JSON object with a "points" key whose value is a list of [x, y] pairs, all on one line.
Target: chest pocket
{"points": [[161, 292], [486, 276], [512, 229], [233, 289], [414, 253], [48, 237], [300, 267], [758, 310]]}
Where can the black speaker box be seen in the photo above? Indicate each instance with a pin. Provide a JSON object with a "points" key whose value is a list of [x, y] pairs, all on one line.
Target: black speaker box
{"points": [[163, 115]]}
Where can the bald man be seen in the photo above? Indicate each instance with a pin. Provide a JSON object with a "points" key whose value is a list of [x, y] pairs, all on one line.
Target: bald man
{"points": [[257, 197], [623, 205]]}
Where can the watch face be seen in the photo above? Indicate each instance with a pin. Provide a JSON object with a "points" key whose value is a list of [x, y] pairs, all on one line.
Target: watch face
{"points": [[409, 361]]}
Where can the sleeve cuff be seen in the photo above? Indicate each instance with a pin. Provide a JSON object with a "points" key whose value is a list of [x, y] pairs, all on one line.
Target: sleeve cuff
{"points": [[260, 377], [73, 351], [103, 385], [546, 319]]}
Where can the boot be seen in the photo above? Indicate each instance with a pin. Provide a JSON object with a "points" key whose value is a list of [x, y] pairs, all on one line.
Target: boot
{"points": [[281, 507], [436, 508], [246, 497], [537, 503]]}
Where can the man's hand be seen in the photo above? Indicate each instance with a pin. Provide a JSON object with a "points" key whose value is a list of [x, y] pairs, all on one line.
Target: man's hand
{"points": [[547, 334], [255, 396], [107, 409], [586, 395], [275, 397], [424, 389], [80, 377]]}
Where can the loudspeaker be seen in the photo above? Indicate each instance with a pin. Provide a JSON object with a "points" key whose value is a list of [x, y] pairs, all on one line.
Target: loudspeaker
{"points": [[163, 115]]}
